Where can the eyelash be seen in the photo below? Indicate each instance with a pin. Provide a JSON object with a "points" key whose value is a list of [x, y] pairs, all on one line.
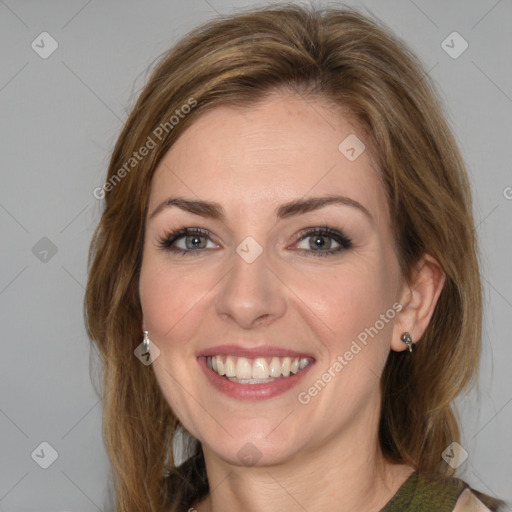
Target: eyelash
{"points": [[344, 241]]}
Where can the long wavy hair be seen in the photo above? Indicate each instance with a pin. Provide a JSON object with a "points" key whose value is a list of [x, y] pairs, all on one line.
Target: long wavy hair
{"points": [[352, 60]]}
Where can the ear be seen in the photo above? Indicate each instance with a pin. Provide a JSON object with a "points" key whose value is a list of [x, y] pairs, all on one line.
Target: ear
{"points": [[418, 299]]}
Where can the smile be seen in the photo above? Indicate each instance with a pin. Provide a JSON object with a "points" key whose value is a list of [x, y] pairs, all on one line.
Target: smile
{"points": [[244, 370], [254, 374]]}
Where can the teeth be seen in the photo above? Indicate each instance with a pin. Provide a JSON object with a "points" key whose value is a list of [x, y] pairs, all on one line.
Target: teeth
{"points": [[285, 369], [219, 365], [303, 363], [250, 381], [275, 367], [229, 367], [243, 369], [260, 369], [254, 371]]}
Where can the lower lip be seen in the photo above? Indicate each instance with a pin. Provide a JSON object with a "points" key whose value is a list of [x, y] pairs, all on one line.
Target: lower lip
{"points": [[252, 391]]}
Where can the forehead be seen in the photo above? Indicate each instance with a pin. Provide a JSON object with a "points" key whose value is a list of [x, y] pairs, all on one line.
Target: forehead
{"points": [[280, 149]]}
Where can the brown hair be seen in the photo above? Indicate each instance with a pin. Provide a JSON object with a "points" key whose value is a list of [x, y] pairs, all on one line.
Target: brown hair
{"points": [[351, 60]]}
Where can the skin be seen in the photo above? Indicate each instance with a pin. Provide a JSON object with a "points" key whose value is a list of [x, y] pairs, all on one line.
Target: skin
{"points": [[323, 455]]}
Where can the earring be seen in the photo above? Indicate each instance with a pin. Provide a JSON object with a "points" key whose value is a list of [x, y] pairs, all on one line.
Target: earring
{"points": [[146, 341], [406, 338]]}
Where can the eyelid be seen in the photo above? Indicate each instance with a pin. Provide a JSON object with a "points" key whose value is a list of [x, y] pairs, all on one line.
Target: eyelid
{"points": [[325, 230]]}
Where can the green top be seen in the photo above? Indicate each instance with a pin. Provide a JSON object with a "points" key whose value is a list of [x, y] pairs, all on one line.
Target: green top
{"points": [[420, 493]]}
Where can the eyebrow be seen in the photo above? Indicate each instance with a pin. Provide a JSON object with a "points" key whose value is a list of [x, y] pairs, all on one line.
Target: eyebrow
{"points": [[214, 210]]}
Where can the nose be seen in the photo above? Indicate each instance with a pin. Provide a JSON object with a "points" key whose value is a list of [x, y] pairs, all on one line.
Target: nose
{"points": [[251, 295]]}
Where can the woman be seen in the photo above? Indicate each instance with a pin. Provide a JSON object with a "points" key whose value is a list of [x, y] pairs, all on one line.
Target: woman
{"points": [[288, 249]]}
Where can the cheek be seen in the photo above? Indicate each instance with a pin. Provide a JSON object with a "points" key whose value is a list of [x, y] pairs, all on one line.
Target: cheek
{"points": [[168, 298], [351, 301], [355, 304], [171, 303]]}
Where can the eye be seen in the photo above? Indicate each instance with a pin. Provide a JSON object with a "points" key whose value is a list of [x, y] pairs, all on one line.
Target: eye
{"points": [[318, 241], [323, 241], [186, 241]]}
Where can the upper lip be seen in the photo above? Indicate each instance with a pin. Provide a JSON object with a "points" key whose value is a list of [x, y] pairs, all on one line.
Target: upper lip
{"points": [[252, 353]]}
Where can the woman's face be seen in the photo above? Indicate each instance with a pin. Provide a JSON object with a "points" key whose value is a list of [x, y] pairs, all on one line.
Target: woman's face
{"points": [[260, 277]]}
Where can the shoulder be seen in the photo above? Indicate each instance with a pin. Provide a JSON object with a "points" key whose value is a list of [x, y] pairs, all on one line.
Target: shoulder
{"points": [[468, 502], [437, 493]]}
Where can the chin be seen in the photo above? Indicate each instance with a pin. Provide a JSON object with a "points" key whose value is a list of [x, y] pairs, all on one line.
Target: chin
{"points": [[251, 451]]}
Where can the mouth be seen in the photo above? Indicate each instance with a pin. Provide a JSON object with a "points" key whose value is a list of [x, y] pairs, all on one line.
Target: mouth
{"points": [[261, 370], [252, 374]]}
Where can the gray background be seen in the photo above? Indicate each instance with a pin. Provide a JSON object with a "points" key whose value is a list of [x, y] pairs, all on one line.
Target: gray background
{"points": [[60, 118]]}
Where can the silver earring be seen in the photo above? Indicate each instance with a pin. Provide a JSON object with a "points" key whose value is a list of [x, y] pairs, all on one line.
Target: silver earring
{"points": [[406, 338], [146, 341]]}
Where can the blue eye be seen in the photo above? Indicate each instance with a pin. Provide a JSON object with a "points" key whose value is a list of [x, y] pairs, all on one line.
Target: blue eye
{"points": [[192, 241], [320, 241]]}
